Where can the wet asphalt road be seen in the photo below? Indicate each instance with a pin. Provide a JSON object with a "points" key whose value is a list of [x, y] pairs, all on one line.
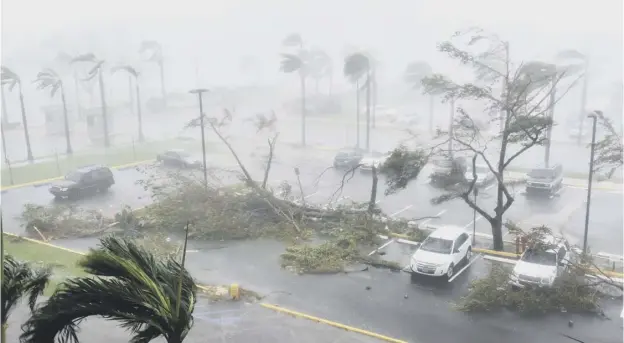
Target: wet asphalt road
{"points": [[426, 315]]}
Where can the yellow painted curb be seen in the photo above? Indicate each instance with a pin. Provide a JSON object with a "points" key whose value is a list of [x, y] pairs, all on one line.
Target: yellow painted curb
{"points": [[399, 235], [39, 182], [496, 253], [331, 323]]}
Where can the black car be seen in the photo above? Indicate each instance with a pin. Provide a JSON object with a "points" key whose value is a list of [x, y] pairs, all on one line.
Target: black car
{"points": [[545, 180], [83, 181], [179, 158], [348, 158]]}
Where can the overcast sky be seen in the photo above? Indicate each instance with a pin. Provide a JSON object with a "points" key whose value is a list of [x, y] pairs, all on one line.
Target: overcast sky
{"points": [[213, 35]]}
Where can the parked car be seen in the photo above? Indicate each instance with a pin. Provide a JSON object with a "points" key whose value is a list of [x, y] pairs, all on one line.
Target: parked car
{"points": [[447, 171], [375, 159], [83, 181], [545, 180], [348, 158], [179, 158], [441, 252], [484, 174], [541, 266]]}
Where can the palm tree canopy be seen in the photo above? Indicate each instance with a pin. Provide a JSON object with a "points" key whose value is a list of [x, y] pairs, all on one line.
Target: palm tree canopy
{"points": [[148, 296], [48, 79], [416, 71], [293, 39], [128, 69], [291, 63], [19, 279], [9, 78], [152, 47], [355, 66]]}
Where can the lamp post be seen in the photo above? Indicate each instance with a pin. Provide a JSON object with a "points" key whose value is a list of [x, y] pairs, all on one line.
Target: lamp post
{"points": [[475, 191], [199, 92], [594, 116]]}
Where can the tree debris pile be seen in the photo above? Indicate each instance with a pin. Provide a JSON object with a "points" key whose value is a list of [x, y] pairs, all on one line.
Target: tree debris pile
{"points": [[62, 221]]}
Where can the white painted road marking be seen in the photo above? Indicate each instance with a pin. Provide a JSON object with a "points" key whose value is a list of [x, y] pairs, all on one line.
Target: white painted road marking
{"points": [[465, 267], [381, 247], [309, 195], [428, 220], [401, 210], [479, 217]]}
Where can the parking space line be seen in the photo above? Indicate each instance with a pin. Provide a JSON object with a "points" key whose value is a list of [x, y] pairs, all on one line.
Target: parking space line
{"points": [[381, 247], [428, 220], [401, 210], [479, 217], [465, 267], [309, 195]]}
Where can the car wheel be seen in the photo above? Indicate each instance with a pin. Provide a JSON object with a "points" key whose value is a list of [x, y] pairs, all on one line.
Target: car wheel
{"points": [[451, 271], [468, 255], [413, 277]]}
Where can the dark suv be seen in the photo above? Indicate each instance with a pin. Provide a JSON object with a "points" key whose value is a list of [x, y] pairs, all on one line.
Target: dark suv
{"points": [[348, 158], [545, 180], [83, 181]]}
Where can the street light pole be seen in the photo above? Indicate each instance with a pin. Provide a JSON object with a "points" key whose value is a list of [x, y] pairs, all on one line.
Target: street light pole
{"points": [[594, 116], [199, 92], [474, 215]]}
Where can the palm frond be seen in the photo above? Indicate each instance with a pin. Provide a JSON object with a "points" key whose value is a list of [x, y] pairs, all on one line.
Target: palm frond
{"points": [[9, 78], [48, 79], [21, 280], [129, 69], [355, 66], [291, 63]]}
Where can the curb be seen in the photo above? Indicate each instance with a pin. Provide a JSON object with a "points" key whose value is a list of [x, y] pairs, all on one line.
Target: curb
{"points": [[331, 323]]}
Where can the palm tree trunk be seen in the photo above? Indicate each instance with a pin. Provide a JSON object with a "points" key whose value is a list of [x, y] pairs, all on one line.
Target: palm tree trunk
{"points": [[138, 100], [162, 82], [303, 110], [450, 129], [5, 118], [66, 122], [357, 111], [77, 88], [25, 123], [104, 115], [368, 109]]}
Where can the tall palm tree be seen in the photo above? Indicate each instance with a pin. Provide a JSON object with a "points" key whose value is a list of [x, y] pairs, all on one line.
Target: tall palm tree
{"points": [[49, 79], [295, 63], [135, 74], [20, 280], [414, 74], [11, 79], [579, 65], [96, 70], [356, 67], [150, 297], [64, 63], [154, 49]]}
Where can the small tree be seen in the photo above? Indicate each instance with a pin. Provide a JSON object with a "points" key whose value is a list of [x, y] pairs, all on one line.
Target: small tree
{"points": [[20, 280], [96, 71], [49, 79], [11, 79], [130, 70], [156, 55]]}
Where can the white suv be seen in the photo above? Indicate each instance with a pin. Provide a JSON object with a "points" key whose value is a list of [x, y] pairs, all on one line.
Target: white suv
{"points": [[441, 252], [540, 267]]}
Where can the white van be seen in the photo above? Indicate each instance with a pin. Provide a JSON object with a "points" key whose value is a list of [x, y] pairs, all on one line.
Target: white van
{"points": [[540, 267]]}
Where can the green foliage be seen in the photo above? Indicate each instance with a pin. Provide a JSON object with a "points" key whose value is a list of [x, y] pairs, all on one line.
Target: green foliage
{"points": [[610, 149], [329, 257], [148, 296], [19, 280], [61, 221], [401, 167]]}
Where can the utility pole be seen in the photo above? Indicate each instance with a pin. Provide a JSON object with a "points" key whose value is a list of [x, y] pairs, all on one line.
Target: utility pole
{"points": [[594, 116], [199, 93], [368, 108], [551, 110], [357, 111]]}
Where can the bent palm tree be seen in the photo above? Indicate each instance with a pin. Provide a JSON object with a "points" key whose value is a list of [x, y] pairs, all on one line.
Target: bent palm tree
{"points": [[356, 66], [63, 61], [156, 56], [130, 70], [578, 66], [414, 74], [9, 78], [295, 63], [20, 280], [149, 297], [96, 70], [49, 79]]}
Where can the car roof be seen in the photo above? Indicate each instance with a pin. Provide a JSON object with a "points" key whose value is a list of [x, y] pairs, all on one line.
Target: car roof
{"points": [[543, 167], [176, 150], [90, 167], [447, 232]]}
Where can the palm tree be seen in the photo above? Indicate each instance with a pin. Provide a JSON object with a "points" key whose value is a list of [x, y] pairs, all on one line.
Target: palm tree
{"points": [[357, 66], [295, 63], [96, 70], [320, 67], [414, 74], [156, 55], [148, 296], [19, 280], [133, 73], [11, 79], [579, 65], [64, 62], [49, 79]]}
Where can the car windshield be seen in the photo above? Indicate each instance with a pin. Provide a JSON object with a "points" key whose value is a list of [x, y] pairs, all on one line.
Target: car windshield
{"points": [[183, 154], [541, 173], [542, 257], [74, 176], [437, 245]]}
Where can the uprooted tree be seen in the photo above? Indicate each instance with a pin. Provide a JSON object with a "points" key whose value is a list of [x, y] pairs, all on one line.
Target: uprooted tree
{"points": [[516, 96]]}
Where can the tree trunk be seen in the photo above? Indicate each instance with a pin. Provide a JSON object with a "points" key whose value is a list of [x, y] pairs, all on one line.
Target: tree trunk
{"points": [[5, 118], [25, 123], [368, 109], [104, 115], [450, 129], [373, 195], [497, 233], [174, 339], [139, 115], [68, 149], [357, 112], [303, 110], [583, 115], [162, 83]]}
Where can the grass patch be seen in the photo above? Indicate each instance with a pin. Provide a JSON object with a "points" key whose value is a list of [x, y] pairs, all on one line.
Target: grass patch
{"points": [[63, 263], [112, 156]]}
